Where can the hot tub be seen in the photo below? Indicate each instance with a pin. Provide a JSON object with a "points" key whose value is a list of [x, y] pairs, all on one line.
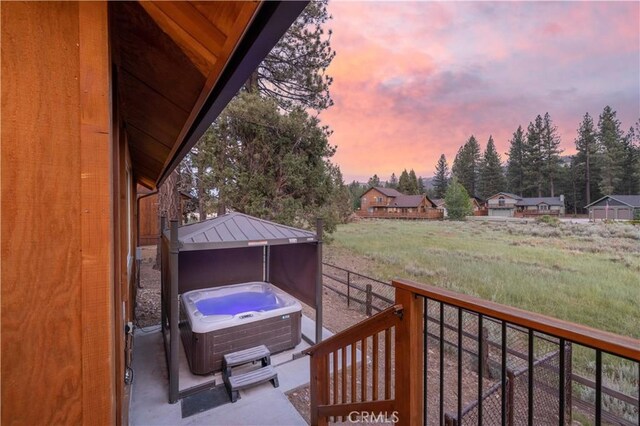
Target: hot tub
{"points": [[235, 317]]}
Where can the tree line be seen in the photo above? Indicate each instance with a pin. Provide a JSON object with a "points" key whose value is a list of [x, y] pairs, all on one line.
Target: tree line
{"points": [[607, 161]]}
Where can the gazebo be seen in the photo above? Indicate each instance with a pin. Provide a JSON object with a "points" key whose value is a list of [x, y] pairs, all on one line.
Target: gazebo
{"points": [[231, 249]]}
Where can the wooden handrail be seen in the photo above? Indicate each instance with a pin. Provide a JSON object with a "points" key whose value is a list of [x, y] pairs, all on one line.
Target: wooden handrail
{"points": [[622, 346], [383, 320]]}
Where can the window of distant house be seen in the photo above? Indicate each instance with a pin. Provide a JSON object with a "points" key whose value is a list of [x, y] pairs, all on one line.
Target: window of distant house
{"points": [[501, 202], [378, 199], [543, 207]]}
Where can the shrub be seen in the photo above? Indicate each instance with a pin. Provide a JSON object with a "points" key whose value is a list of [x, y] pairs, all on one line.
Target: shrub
{"points": [[549, 220], [457, 200]]}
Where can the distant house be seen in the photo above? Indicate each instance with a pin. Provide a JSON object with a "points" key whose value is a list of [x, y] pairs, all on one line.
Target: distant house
{"points": [[506, 204], [479, 206], [615, 207], [148, 214], [390, 203]]}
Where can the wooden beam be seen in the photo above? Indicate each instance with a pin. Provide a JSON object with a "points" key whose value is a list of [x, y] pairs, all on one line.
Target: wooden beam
{"points": [[201, 56], [98, 378]]}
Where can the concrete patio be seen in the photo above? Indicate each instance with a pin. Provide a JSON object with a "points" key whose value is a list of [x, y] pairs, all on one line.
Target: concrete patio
{"points": [[262, 405]]}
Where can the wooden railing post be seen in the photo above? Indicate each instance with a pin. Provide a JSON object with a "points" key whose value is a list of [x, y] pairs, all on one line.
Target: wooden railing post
{"points": [[409, 366], [317, 387]]}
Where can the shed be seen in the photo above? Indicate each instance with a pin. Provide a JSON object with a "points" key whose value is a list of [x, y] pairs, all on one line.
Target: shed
{"points": [[615, 207], [231, 249]]}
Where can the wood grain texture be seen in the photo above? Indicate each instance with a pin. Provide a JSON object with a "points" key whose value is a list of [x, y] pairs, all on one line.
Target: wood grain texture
{"points": [[41, 260], [148, 225], [409, 372], [98, 379]]}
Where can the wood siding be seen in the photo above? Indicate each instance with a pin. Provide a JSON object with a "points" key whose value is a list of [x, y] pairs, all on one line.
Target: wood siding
{"points": [[57, 304], [368, 199], [148, 222]]}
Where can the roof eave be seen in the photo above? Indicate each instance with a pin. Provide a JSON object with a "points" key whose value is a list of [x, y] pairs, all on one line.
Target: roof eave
{"points": [[270, 23]]}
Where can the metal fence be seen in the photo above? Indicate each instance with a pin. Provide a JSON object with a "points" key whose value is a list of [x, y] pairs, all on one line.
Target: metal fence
{"points": [[471, 345]]}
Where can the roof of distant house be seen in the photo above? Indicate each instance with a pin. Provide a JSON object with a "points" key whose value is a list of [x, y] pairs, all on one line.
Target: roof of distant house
{"points": [[630, 200], [407, 201], [389, 192], [508, 194], [534, 201], [438, 202]]}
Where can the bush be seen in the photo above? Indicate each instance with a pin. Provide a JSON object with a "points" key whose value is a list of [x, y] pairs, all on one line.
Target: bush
{"points": [[549, 220], [457, 200]]}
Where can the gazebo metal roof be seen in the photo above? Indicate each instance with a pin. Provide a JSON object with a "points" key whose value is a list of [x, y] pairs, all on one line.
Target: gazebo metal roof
{"points": [[235, 230]]}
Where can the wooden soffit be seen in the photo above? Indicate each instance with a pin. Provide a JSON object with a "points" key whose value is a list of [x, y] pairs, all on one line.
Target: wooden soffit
{"points": [[177, 62]]}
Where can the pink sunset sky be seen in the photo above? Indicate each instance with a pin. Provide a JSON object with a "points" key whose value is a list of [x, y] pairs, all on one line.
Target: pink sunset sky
{"points": [[413, 80]]}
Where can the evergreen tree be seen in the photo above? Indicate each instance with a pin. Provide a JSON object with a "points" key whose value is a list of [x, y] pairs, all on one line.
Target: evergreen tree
{"points": [[551, 152], [441, 178], [515, 165], [457, 200], [294, 72], [356, 189], [492, 178], [585, 162], [421, 188], [466, 166], [534, 159], [414, 188], [630, 184], [374, 181], [393, 182], [612, 148], [404, 184]]}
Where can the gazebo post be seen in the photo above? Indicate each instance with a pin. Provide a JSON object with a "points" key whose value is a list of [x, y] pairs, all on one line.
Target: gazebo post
{"points": [[162, 278], [174, 333], [319, 226]]}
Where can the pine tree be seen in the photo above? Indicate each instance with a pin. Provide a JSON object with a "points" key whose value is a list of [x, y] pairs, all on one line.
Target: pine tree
{"points": [[515, 165], [421, 189], [393, 182], [441, 178], [294, 72], [612, 149], [534, 159], [492, 178], [466, 166], [631, 183], [374, 181], [551, 152], [404, 184], [457, 200], [356, 189], [585, 160], [413, 183]]}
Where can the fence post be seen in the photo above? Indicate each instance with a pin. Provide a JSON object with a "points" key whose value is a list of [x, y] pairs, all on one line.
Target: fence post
{"points": [[485, 352], [369, 299], [409, 366], [510, 384], [348, 288]]}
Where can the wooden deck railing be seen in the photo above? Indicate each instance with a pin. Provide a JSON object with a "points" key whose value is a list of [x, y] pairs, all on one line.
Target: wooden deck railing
{"points": [[421, 376], [429, 214]]}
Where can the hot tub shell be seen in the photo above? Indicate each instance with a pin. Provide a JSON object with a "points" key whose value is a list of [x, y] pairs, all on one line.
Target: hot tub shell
{"points": [[206, 338]]}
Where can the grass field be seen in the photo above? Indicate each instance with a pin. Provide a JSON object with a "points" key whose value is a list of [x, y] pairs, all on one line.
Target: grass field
{"points": [[585, 273]]}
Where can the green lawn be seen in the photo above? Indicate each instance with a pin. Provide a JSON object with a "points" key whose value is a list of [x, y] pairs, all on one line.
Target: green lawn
{"points": [[585, 273]]}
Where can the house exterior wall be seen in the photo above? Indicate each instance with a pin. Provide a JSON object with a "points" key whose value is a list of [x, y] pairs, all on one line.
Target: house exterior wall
{"points": [[57, 246], [148, 225], [494, 202], [373, 198]]}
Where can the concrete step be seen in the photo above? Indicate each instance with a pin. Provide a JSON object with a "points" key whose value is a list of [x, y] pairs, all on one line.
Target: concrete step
{"points": [[250, 379]]}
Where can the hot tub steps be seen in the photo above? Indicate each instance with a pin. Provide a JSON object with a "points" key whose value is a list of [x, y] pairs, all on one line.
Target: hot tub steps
{"points": [[251, 378]]}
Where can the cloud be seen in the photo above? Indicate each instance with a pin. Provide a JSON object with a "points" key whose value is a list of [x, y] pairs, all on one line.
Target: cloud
{"points": [[414, 80]]}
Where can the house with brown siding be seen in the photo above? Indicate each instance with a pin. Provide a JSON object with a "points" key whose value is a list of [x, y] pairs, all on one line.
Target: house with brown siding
{"points": [[98, 97], [392, 204]]}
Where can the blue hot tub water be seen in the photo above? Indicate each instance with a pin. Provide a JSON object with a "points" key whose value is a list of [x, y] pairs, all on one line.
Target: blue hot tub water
{"points": [[236, 303]]}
